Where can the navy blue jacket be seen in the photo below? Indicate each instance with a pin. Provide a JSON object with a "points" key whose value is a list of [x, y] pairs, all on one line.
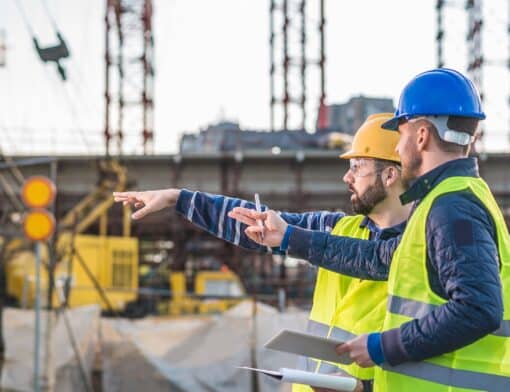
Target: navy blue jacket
{"points": [[209, 212], [462, 265]]}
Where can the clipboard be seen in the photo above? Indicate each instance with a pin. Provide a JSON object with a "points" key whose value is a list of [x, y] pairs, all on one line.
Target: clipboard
{"points": [[309, 345]]}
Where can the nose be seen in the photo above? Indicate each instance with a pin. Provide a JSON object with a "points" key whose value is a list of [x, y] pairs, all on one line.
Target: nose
{"points": [[348, 177]]}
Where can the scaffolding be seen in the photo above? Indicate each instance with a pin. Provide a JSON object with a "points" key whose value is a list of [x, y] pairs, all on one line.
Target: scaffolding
{"points": [[290, 62], [129, 73]]}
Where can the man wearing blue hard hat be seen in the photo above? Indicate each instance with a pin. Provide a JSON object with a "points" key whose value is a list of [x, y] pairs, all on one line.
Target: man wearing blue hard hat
{"points": [[447, 326]]}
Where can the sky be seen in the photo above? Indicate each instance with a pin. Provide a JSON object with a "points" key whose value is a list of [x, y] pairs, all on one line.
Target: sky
{"points": [[212, 64]]}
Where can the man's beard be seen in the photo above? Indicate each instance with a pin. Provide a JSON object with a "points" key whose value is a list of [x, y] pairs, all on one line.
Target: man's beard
{"points": [[365, 203]]}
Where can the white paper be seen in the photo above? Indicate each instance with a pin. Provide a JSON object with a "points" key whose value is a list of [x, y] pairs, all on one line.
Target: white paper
{"points": [[308, 345], [336, 383]]}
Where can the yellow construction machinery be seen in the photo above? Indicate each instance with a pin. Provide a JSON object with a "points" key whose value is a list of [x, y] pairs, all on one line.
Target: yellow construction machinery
{"points": [[89, 267], [213, 292], [103, 269]]}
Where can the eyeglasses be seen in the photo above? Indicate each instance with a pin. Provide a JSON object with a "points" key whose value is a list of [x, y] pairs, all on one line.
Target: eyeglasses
{"points": [[357, 167]]}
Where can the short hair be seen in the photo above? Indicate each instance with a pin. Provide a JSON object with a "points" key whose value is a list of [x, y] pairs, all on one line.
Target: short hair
{"points": [[381, 164]]}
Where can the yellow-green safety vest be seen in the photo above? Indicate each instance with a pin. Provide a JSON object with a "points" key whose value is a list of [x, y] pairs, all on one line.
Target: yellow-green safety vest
{"points": [[481, 366], [344, 307]]}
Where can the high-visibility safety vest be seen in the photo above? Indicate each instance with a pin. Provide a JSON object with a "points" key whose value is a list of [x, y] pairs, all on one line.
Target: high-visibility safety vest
{"points": [[481, 366], [344, 307]]}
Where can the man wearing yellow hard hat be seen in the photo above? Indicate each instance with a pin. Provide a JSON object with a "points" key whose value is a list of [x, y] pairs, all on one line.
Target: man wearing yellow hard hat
{"points": [[342, 306]]}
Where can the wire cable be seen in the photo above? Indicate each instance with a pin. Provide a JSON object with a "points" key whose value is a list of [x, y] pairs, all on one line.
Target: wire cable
{"points": [[24, 17], [48, 14]]}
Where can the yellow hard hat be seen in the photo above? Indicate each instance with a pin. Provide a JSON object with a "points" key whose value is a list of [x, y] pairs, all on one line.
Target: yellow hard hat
{"points": [[372, 141]]}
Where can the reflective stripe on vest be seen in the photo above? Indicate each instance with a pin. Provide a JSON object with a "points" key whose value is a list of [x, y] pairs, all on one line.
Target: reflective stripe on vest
{"points": [[482, 365], [452, 377], [417, 309]]}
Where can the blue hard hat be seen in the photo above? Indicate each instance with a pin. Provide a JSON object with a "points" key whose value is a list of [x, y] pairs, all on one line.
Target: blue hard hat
{"points": [[438, 92]]}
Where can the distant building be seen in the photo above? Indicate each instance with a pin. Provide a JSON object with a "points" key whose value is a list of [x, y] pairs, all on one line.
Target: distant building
{"points": [[347, 117], [335, 125], [228, 136]]}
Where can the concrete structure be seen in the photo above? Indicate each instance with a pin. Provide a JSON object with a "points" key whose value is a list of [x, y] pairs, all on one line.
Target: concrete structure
{"points": [[292, 181], [297, 181]]}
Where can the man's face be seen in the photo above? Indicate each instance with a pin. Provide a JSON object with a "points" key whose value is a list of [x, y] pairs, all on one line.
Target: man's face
{"points": [[410, 158], [364, 181]]}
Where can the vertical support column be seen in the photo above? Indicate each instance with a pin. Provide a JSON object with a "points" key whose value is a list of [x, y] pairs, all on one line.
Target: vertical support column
{"points": [[272, 65], [286, 61], [474, 42], [302, 11], [475, 55], [107, 131], [120, 67], [508, 66], [37, 321], [322, 61], [148, 79], [440, 33]]}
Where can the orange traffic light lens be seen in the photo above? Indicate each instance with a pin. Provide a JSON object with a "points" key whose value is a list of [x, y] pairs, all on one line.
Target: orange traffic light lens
{"points": [[39, 225], [38, 192]]}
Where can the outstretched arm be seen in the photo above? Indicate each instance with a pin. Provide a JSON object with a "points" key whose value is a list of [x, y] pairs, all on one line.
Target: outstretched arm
{"points": [[359, 258], [209, 212]]}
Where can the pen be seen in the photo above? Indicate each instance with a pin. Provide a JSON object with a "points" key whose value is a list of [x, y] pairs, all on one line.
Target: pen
{"points": [[258, 209]]}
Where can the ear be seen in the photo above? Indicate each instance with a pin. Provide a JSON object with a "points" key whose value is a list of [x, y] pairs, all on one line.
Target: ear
{"points": [[423, 137], [392, 175]]}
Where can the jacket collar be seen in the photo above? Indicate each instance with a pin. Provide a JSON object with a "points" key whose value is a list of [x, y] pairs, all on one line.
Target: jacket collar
{"points": [[465, 167]]}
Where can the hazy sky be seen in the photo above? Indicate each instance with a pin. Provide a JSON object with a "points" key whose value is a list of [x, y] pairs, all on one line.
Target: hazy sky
{"points": [[212, 62]]}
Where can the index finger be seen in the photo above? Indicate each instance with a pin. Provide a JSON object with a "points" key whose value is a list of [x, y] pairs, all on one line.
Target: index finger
{"points": [[250, 213]]}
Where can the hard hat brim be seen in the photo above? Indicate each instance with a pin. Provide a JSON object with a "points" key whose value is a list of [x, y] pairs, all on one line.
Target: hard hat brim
{"points": [[391, 124], [348, 155], [352, 154]]}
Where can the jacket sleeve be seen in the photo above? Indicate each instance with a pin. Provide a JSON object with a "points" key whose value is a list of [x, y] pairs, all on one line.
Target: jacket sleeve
{"points": [[209, 212], [463, 256], [365, 259], [321, 220]]}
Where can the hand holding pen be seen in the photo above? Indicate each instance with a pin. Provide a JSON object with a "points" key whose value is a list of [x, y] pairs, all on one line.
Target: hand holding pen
{"points": [[259, 221], [265, 228]]}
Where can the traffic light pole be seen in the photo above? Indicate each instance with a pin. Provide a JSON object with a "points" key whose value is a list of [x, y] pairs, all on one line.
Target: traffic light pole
{"points": [[37, 341]]}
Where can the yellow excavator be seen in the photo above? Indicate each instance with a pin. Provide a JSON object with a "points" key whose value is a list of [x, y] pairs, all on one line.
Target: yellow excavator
{"points": [[89, 267], [104, 269]]}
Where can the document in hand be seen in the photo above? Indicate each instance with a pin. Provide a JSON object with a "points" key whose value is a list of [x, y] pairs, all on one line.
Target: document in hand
{"points": [[336, 383], [308, 345]]}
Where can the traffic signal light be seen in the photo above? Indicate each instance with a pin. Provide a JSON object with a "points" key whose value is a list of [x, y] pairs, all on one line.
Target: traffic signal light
{"points": [[38, 193]]}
